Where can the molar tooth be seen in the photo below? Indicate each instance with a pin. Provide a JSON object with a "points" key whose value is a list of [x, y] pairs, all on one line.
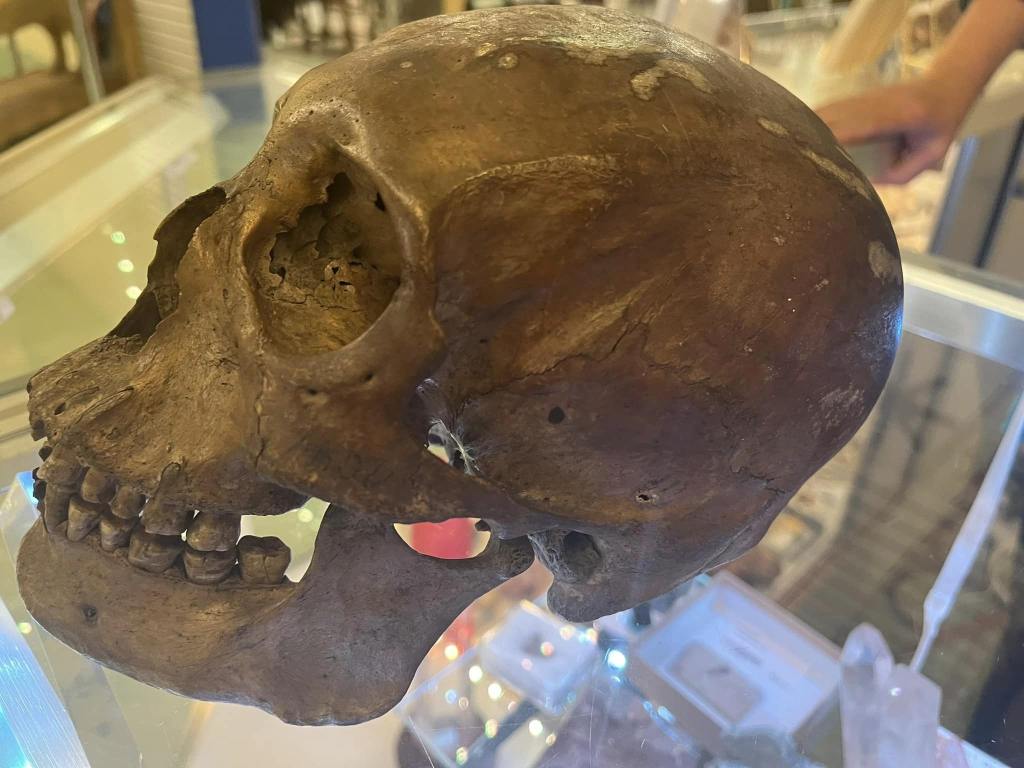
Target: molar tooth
{"points": [[166, 519], [263, 560], [83, 516], [127, 503], [208, 567], [152, 552], [115, 531], [210, 531], [97, 487], [55, 505]]}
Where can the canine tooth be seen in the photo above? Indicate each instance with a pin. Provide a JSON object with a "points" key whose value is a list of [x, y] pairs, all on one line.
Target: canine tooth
{"points": [[210, 531], [83, 516], [208, 567], [38, 489], [152, 552], [263, 559], [167, 519], [55, 505], [127, 503], [115, 531], [97, 487]]}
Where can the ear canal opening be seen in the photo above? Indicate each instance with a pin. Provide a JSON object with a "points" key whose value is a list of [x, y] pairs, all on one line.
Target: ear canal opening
{"points": [[328, 278], [160, 297], [571, 556]]}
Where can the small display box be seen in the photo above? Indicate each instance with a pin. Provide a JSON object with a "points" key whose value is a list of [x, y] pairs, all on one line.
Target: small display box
{"points": [[728, 661]]}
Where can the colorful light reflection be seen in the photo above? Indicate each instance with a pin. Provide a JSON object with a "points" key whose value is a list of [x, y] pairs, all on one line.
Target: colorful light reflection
{"points": [[616, 659]]}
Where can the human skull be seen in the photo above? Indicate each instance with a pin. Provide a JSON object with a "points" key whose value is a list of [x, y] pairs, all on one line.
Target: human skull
{"points": [[635, 288]]}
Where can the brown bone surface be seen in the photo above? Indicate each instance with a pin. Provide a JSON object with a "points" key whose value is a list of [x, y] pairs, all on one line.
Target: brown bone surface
{"points": [[634, 288]]}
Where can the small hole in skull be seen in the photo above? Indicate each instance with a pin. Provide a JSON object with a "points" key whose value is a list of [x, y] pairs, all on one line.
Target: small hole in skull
{"points": [[312, 391], [646, 497], [368, 377], [379, 203], [556, 415], [60, 409], [89, 612], [457, 539]]}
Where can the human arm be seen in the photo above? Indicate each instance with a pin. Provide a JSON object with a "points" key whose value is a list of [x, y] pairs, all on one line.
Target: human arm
{"points": [[922, 116]]}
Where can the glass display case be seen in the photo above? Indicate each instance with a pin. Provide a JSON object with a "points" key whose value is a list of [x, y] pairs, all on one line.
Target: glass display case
{"points": [[738, 668], [966, 210], [57, 56]]}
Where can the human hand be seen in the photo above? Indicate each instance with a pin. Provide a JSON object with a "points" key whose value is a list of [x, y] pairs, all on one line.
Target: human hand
{"points": [[919, 119]]}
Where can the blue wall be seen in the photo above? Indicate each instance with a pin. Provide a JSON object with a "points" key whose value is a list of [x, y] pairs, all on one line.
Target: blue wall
{"points": [[229, 32]]}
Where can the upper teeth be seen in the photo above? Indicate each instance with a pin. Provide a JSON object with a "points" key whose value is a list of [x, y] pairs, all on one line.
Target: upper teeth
{"points": [[210, 531], [76, 501]]}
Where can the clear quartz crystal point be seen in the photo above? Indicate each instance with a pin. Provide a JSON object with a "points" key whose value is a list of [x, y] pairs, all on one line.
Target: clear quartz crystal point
{"points": [[866, 667], [910, 722], [890, 714]]}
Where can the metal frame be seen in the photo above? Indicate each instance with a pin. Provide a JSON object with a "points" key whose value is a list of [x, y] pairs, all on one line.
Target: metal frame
{"points": [[954, 306]]}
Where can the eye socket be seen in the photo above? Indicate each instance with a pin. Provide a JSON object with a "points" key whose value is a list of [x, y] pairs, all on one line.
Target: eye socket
{"points": [[331, 276]]}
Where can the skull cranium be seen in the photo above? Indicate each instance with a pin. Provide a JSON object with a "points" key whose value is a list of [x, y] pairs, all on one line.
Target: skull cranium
{"points": [[635, 287]]}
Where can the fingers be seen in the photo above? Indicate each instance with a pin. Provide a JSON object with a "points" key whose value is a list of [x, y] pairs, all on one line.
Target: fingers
{"points": [[914, 162], [879, 113], [862, 118]]}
